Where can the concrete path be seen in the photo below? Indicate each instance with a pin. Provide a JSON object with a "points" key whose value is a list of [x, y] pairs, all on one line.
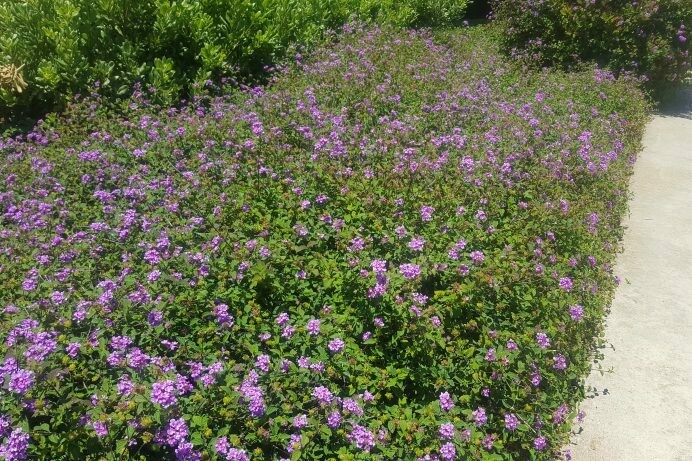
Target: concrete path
{"points": [[643, 409]]}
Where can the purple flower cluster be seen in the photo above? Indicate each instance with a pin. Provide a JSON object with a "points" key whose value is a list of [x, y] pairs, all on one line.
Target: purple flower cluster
{"points": [[362, 438], [409, 271]]}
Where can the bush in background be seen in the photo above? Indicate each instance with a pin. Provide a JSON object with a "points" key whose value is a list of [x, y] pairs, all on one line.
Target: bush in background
{"points": [[650, 38], [64, 45]]}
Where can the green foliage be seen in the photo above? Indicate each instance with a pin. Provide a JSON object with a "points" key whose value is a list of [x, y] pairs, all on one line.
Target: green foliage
{"points": [[174, 45], [650, 38]]}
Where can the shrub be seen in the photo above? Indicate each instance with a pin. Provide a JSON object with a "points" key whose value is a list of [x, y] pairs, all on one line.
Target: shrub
{"points": [[650, 38], [65, 45], [400, 249]]}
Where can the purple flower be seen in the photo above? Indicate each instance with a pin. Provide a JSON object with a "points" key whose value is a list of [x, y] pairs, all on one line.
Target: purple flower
{"points": [[336, 345], [490, 355], [72, 349], [323, 395], [236, 454], [362, 437], [176, 432], [477, 257], [296, 442], [313, 327], [223, 318], [511, 421], [334, 419], [446, 431], [576, 312], [164, 393], [448, 452], [263, 361], [540, 443], [566, 283], [5, 424], [542, 340], [152, 257], [560, 415], [252, 395], [155, 318], [379, 266], [282, 318], [16, 445], [488, 441], [125, 386], [512, 345], [559, 362], [446, 401], [536, 379], [300, 421], [479, 416], [352, 406], [357, 245], [417, 243], [222, 446], [29, 284], [186, 452], [100, 428], [58, 297], [426, 213], [120, 343], [21, 381], [409, 271]]}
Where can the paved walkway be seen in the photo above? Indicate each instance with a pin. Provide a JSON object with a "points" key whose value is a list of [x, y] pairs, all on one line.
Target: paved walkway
{"points": [[643, 409]]}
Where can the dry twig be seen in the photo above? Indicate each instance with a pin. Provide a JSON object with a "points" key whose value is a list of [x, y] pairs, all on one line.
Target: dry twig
{"points": [[11, 78]]}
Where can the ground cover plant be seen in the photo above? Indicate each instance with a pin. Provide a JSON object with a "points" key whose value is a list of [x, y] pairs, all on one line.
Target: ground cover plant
{"points": [[399, 249], [65, 45]]}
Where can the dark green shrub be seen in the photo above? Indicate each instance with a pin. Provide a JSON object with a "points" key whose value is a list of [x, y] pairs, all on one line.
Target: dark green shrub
{"points": [[65, 45], [650, 38]]}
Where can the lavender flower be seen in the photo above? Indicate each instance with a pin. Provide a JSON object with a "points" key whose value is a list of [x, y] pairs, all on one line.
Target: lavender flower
{"points": [[409, 271], [323, 395], [542, 340], [336, 345], [576, 312], [334, 419], [426, 212], [566, 283], [540, 443], [16, 446], [446, 431], [479, 416], [362, 437], [417, 244], [21, 381], [559, 362], [446, 401], [511, 421], [164, 393], [176, 432], [448, 452], [313, 327], [477, 257]]}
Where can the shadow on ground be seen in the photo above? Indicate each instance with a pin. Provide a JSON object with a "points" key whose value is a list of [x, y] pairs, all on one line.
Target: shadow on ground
{"points": [[677, 103]]}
